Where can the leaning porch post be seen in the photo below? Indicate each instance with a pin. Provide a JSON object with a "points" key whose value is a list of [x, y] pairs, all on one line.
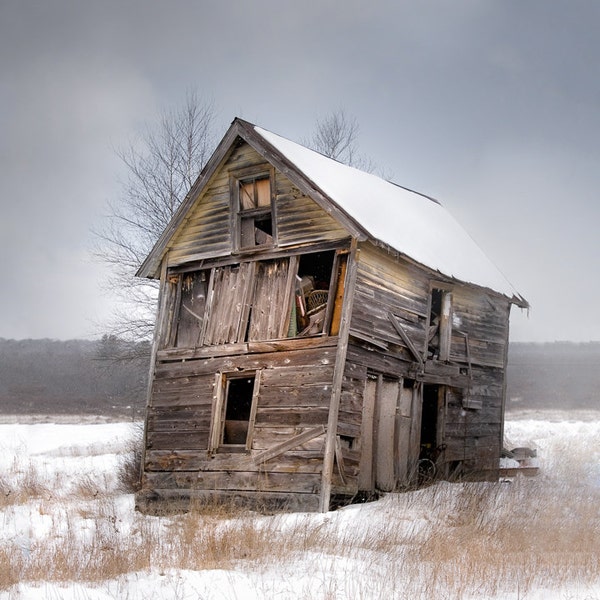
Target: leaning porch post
{"points": [[338, 375]]}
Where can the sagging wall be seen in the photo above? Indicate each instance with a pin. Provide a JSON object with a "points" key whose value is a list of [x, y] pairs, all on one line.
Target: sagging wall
{"points": [[469, 383], [224, 317], [284, 462]]}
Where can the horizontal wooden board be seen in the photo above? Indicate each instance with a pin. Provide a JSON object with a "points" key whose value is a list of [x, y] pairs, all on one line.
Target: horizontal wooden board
{"points": [[235, 480]]}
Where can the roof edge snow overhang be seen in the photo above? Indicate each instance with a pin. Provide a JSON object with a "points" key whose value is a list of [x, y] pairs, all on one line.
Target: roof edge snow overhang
{"points": [[257, 138]]}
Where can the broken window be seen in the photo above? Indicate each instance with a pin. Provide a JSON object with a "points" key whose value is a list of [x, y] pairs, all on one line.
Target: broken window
{"points": [[319, 293], [235, 411], [261, 300], [440, 325], [255, 213]]}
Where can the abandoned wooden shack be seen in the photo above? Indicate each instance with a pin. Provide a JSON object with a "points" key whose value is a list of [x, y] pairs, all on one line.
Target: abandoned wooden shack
{"points": [[320, 330]]}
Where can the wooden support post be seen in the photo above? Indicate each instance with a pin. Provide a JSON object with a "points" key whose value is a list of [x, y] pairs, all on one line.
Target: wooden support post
{"points": [[338, 376], [163, 294]]}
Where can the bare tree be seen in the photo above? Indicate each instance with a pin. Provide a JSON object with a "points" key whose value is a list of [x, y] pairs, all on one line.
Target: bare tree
{"points": [[336, 137], [161, 167]]}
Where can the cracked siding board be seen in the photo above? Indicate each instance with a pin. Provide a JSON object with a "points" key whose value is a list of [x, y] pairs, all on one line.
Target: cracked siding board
{"points": [[385, 284]]}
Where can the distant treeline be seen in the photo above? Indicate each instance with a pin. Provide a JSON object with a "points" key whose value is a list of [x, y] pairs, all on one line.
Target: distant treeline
{"points": [[108, 377], [558, 375]]}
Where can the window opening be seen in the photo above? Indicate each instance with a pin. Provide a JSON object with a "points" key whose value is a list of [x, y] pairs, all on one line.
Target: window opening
{"points": [[238, 410], [194, 288], [313, 284], [301, 295], [256, 224], [440, 325]]}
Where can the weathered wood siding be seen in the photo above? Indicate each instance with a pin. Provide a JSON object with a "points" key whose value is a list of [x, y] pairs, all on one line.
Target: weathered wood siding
{"points": [[473, 378], [386, 284], [293, 398], [207, 230]]}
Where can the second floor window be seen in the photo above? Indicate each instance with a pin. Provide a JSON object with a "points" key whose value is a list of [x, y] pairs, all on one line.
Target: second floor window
{"points": [[255, 219], [287, 297]]}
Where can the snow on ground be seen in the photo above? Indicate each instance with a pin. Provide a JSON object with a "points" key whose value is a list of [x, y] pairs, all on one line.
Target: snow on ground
{"points": [[72, 472]]}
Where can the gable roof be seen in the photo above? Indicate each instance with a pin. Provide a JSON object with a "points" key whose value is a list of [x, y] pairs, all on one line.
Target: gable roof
{"points": [[410, 223]]}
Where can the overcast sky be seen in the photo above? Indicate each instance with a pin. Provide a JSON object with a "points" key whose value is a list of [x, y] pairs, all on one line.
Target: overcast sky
{"points": [[490, 106]]}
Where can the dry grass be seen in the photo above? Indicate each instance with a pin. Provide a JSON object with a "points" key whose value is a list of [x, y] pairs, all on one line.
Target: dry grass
{"points": [[446, 541]]}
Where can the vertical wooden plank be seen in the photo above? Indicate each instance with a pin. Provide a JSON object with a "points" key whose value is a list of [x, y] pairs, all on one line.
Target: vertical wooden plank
{"points": [[340, 272], [403, 428], [253, 408], [386, 421], [504, 367], [366, 480], [217, 413], [289, 292], [246, 300], [415, 429], [160, 317], [271, 302]]}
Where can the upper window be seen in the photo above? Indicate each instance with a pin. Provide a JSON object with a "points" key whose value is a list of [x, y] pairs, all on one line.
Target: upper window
{"points": [[258, 300], [255, 218]]}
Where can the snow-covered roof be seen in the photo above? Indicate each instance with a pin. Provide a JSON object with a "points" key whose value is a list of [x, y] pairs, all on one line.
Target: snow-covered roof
{"points": [[413, 224]]}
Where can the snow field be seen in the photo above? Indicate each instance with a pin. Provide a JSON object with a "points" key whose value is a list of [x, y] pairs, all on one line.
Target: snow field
{"points": [[70, 531]]}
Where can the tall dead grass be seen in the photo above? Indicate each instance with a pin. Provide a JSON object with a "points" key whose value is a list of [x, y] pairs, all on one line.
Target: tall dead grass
{"points": [[446, 541]]}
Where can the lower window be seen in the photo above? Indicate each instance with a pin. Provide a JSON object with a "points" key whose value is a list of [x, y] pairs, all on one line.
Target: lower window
{"points": [[235, 411]]}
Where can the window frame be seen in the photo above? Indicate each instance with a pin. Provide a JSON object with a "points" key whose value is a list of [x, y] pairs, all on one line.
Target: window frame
{"points": [[445, 323], [217, 429], [246, 273], [239, 215]]}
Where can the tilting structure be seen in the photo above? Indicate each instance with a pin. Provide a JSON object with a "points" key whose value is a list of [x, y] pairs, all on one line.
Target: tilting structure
{"points": [[319, 331]]}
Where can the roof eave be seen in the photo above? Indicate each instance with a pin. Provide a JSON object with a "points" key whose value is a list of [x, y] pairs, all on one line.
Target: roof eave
{"points": [[150, 268]]}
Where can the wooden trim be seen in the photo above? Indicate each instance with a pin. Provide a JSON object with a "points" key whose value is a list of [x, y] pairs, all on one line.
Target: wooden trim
{"points": [[336, 293], [506, 344], [214, 439], [292, 442], [338, 376], [153, 357], [297, 177], [339, 459], [219, 260], [445, 330], [253, 407], [398, 327], [234, 349]]}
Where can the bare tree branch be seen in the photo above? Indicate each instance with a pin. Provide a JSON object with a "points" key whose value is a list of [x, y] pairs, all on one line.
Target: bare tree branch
{"points": [[161, 168], [336, 137]]}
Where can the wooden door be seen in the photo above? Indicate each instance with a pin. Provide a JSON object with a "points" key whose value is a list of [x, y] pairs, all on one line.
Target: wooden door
{"points": [[390, 433]]}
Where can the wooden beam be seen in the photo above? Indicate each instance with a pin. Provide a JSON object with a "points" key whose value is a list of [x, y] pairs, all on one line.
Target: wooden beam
{"points": [[398, 327], [292, 442]]}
